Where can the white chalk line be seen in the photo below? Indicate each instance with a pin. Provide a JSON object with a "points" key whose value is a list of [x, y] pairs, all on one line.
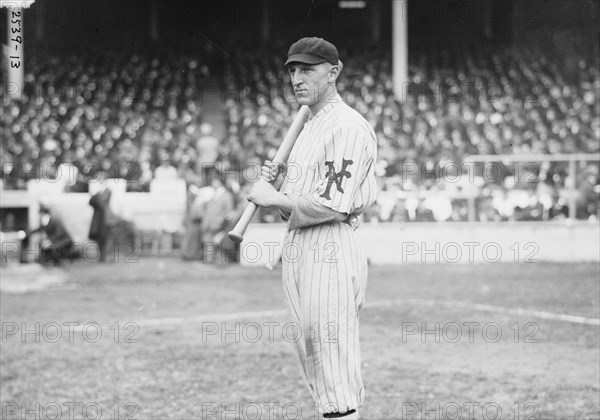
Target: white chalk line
{"points": [[234, 316], [574, 319]]}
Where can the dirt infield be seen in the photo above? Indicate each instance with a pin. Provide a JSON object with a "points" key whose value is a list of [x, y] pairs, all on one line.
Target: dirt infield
{"points": [[164, 338]]}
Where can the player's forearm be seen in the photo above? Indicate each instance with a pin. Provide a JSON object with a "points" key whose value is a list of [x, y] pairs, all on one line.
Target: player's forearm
{"points": [[307, 211], [282, 202]]}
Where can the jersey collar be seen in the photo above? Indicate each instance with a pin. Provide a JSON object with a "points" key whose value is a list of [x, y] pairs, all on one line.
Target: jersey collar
{"points": [[334, 101]]}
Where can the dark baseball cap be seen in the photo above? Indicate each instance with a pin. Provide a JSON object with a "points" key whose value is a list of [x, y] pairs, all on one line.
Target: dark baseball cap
{"points": [[312, 50]]}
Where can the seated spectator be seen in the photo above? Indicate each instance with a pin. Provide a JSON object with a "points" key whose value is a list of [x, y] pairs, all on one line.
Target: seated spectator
{"points": [[56, 243]]}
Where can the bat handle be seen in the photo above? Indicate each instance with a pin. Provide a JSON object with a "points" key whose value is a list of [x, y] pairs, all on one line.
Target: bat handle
{"points": [[237, 233]]}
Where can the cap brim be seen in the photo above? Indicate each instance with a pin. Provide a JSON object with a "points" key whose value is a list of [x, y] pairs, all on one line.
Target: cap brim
{"points": [[304, 58]]}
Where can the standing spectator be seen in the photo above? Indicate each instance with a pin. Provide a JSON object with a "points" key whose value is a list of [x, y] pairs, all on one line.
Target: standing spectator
{"points": [[102, 221], [165, 170], [207, 148], [191, 247], [217, 213]]}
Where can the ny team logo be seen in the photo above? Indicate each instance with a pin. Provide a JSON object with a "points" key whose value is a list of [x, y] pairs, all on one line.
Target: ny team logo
{"points": [[336, 177]]}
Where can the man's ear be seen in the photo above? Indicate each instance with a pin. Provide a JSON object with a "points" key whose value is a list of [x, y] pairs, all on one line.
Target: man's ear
{"points": [[334, 72]]}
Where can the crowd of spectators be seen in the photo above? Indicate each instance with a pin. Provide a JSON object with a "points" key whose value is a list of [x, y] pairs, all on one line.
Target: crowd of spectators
{"points": [[460, 101], [121, 112], [137, 114]]}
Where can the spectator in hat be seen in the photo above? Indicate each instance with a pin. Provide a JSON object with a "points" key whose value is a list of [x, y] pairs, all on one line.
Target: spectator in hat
{"points": [[56, 243]]}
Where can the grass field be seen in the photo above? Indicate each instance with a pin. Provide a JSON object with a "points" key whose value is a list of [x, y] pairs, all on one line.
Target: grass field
{"points": [[183, 340]]}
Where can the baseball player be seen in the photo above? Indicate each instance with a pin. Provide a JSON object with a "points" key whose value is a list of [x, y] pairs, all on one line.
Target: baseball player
{"points": [[328, 181]]}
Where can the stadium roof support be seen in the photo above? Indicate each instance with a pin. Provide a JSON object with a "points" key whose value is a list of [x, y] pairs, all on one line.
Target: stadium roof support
{"points": [[376, 22], [400, 47], [154, 21], [265, 29], [13, 52]]}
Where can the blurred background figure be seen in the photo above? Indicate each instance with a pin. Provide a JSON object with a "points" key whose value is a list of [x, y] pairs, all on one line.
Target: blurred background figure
{"points": [[217, 214], [55, 243], [165, 170], [207, 149], [103, 221], [191, 246]]}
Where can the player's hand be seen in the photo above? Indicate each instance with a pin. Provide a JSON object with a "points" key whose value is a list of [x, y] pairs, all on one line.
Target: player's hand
{"points": [[263, 194], [274, 173]]}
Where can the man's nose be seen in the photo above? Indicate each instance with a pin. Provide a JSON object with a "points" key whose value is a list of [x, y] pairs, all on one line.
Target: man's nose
{"points": [[296, 79]]}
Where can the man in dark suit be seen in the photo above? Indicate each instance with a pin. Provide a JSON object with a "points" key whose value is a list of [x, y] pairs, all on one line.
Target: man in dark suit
{"points": [[102, 221], [57, 243]]}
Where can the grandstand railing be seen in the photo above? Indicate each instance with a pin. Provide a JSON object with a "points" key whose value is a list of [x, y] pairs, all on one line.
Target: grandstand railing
{"points": [[559, 157]]}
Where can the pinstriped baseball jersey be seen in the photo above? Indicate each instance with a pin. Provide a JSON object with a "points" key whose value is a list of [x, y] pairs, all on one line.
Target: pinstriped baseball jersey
{"points": [[325, 271], [333, 159]]}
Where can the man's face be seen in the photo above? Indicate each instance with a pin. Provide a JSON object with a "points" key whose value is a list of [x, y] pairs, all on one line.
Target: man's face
{"points": [[45, 218], [312, 83], [216, 183]]}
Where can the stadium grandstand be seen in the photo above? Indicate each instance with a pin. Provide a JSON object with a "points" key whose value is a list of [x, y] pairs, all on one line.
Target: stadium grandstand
{"points": [[93, 104]]}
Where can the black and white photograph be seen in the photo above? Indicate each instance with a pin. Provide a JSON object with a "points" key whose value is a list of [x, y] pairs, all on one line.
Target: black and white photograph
{"points": [[300, 209]]}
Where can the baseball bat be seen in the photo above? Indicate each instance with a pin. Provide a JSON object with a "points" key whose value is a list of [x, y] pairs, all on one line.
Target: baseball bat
{"points": [[237, 234]]}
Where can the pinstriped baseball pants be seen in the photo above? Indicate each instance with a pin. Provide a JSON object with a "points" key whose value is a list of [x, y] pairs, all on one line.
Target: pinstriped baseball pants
{"points": [[324, 280]]}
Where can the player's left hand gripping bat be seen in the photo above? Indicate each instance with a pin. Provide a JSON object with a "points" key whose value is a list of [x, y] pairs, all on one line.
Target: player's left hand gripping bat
{"points": [[237, 234]]}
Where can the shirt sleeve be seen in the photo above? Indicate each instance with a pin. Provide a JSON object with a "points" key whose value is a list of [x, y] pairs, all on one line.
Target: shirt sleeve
{"points": [[307, 211], [348, 180], [285, 215]]}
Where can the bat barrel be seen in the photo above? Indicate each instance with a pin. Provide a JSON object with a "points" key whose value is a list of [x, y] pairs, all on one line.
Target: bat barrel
{"points": [[235, 236], [237, 233]]}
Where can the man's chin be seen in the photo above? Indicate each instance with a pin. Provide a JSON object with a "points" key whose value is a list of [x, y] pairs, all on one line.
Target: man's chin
{"points": [[304, 100]]}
